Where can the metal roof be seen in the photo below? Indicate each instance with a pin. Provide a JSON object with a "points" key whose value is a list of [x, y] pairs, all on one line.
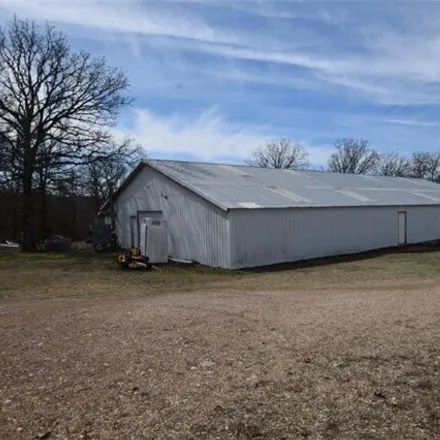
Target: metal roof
{"points": [[235, 186]]}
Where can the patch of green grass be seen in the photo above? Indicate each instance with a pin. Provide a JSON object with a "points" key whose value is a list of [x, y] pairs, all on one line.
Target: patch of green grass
{"points": [[80, 274], [43, 275]]}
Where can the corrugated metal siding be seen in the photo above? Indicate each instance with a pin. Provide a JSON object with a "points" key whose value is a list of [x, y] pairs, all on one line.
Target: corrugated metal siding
{"points": [[197, 229], [271, 236], [423, 223], [251, 237]]}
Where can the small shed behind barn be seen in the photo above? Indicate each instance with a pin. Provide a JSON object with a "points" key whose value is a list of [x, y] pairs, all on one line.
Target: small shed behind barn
{"points": [[238, 216]]}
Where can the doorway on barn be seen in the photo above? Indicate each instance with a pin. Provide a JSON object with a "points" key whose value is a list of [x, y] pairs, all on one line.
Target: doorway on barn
{"points": [[402, 239], [134, 231], [142, 218]]}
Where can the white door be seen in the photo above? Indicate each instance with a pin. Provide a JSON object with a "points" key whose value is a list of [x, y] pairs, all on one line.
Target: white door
{"points": [[143, 231], [157, 241], [402, 228]]}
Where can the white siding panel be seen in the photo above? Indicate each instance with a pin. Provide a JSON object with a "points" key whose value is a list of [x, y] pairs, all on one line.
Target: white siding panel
{"points": [[270, 236], [423, 223], [197, 229]]}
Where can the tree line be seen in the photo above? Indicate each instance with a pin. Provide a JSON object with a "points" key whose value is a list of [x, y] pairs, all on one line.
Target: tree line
{"points": [[354, 156], [57, 110]]}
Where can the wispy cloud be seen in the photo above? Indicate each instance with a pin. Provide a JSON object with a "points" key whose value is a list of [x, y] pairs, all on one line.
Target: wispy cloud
{"points": [[393, 64], [125, 16], [383, 54], [265, 58], [412, 123], [208, 135]]}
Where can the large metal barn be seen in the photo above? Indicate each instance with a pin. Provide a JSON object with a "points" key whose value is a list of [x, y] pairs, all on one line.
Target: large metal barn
{"points": [[237, 216]]}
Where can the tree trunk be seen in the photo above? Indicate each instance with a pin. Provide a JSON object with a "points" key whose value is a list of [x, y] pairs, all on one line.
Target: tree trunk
{"points": [[43, 214], [16, 228], [28, 241], [74, 228]]}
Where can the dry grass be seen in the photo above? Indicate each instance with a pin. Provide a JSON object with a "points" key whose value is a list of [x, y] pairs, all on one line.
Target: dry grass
{"points": [[345, 351], [86, 275]]}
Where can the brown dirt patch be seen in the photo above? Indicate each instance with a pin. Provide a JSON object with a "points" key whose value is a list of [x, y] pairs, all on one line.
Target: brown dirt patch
{"points": [[219, 358]]}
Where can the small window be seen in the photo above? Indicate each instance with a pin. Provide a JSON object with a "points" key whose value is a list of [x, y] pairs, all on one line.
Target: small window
{"points": [[155, 223]]}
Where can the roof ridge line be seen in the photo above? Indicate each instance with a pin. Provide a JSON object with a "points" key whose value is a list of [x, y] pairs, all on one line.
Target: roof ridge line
{"points": [[200, 162]]}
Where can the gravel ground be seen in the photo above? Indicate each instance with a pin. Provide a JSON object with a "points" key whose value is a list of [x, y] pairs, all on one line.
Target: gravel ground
{"points": [[320, 364]]}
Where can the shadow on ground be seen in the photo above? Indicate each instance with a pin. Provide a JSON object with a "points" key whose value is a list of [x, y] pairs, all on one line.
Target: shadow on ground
{"points": [[421, 248]]}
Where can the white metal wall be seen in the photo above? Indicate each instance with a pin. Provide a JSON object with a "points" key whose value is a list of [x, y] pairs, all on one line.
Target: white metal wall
{"points": [[423, 223], [270, 236], [197, 229]]}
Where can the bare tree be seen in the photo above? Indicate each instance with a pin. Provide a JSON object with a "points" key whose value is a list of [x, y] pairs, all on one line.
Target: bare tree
{"points": [[420, 164], [4, 168], [281, 153], [53, 101], [353, 156], [103, 177], [394, 165], [8, 160], [426, 165]]}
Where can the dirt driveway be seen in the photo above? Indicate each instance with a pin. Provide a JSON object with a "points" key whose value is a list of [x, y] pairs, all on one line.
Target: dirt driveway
{"points": [[272, 365]]}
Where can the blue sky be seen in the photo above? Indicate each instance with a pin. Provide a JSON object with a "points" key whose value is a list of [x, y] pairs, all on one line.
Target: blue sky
{"points": [[215, 78]]}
